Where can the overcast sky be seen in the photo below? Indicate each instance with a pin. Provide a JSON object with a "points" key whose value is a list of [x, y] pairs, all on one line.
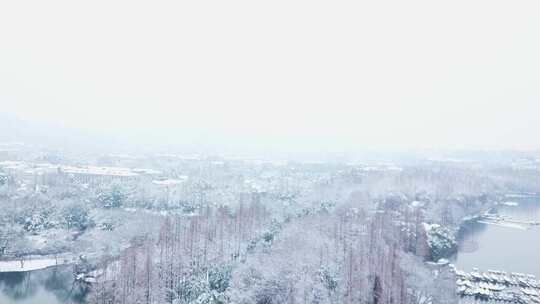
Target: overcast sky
{"points": [[399, 74]]}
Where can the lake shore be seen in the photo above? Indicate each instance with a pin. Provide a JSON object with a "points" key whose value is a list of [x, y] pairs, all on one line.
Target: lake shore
{"points": [[30, 263]]}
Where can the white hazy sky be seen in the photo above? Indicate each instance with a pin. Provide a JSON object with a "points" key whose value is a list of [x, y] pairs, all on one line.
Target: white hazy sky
{"points": [[402, 74]]}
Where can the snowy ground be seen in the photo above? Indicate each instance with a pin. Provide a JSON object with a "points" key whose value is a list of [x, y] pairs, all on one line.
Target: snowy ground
{"points": [[28, 265]]}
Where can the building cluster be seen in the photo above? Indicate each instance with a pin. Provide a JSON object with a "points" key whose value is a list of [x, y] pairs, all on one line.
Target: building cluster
{"points": [[175, 180], [46, 174]]}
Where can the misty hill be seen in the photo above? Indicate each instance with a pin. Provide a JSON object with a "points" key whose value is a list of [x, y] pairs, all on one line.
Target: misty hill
{"points": [[15, 129]]}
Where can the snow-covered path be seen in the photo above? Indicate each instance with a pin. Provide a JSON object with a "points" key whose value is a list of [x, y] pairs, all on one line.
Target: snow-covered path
{"points": [[28, 265]]}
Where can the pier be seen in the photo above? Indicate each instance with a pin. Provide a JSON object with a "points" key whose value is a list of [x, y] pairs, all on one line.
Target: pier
{"points": [[506, 221], [494, 286]]}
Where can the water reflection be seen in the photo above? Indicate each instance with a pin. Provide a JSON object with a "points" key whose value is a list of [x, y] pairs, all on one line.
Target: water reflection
{"points": [[18, 285], [468, 236], [503, 248], [49, 286]]}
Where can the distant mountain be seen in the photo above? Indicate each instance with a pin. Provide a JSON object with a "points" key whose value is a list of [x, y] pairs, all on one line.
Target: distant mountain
{"points": [[15, 129]]}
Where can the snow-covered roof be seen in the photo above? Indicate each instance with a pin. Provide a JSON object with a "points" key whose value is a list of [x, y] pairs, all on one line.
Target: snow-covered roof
{"points": [[417, 204], [146, 171], [181, 157], [10, 164], [91, 170], [170, 182]]}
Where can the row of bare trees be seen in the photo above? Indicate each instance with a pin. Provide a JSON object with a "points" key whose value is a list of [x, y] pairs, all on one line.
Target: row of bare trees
{"points": [[166, 269], [239, 256]]}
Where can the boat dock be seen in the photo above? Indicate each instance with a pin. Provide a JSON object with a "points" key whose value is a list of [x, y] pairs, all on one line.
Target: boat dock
{"points": [[499, 219], [495, 286]]}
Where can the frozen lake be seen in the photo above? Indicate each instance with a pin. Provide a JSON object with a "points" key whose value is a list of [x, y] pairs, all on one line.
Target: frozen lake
{"points": [[487, 246]]}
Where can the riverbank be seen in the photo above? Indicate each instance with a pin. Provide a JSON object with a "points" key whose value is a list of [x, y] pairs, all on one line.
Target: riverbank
{"points": [[507, 238], [445, 241]]}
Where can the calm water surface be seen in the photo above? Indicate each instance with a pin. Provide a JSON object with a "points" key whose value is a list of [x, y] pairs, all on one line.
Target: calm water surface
{"points": [[48, 286], [502, 248]]}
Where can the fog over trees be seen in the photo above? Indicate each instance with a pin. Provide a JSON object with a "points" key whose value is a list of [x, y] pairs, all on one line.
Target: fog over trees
{"points": [[250, 231], [278, 152]]}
